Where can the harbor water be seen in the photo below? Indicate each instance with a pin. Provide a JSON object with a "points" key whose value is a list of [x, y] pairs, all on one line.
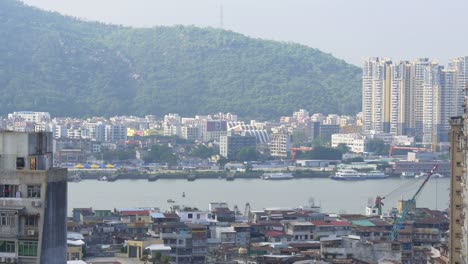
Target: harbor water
{"points": [[332, 196]]}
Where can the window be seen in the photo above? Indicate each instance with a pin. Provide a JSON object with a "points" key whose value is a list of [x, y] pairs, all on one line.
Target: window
{"points": [[75, 256], [8, 191], [7, 219], [34, 191], [27, 248], [198, 216], [20, 163], [32, 163], [190, 216], [7, 246], [31, 220]]}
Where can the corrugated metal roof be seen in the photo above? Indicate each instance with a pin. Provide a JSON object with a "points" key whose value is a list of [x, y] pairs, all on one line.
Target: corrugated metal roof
{"points": [[364, 223]]}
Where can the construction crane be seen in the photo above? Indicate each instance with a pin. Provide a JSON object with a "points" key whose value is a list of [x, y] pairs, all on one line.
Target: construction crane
{"points": [[295, 150], [393, 148], [399, 221]]}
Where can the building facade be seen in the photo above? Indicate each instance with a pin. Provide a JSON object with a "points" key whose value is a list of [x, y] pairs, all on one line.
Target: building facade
{"points": [[230, 145], [280, 144], [33, 198], [414, 98]]}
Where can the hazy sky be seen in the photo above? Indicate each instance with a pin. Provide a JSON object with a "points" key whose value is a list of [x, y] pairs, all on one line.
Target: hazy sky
{"points": [[349, 29]]}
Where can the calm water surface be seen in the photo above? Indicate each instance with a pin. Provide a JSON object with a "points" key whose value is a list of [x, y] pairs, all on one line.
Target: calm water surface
{"points": [[333, 196]]}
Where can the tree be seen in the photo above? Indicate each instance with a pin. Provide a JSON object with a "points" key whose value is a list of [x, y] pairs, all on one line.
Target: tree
{"points": [[109, 155], [355, 159], [222, 161], [320, 153], [298, 138], [343, 148], [377, 146], [247, 154], [160, 154], [202, 151]]}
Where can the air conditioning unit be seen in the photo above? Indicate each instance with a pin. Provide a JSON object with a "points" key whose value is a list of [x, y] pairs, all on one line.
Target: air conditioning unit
{"points": [[37, 203], [2, 260], [31, 232], [11, 260]]}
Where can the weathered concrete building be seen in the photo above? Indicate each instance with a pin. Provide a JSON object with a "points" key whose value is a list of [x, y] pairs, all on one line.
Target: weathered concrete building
{"points": [[33, 200], [458, 240]]}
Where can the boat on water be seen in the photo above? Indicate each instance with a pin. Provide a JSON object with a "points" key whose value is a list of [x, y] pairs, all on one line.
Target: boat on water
{"points": [[407, 174], [103, 178], [375, 175], [347, 175], [191, 177], [435, 175], [277, 176]]}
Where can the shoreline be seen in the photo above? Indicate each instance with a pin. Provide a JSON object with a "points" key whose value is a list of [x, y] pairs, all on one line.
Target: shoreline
{"points": [[221, 175]]}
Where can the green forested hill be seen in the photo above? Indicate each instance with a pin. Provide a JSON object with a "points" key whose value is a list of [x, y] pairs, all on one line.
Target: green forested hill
{"points": [[54, 63]]}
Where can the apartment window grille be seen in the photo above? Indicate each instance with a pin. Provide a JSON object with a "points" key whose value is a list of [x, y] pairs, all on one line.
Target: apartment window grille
{"points": [[31, 221], [34, 191], [7, 246], [27, 248], [8, 190], [7, 219]]}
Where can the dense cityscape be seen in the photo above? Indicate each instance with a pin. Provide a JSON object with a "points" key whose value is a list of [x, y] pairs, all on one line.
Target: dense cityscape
{"points": [[403, 131]]}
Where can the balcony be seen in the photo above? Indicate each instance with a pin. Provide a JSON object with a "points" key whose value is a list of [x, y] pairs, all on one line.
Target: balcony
{"points": [[9, 231]]}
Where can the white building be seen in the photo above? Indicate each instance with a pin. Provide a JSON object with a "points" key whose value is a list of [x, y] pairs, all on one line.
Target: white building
{"points": [[29, 116], [280, 145], [195, 217], [376, 94], [60, 131], [431, 103], [96, 131], [115, 132], [355, 142]]}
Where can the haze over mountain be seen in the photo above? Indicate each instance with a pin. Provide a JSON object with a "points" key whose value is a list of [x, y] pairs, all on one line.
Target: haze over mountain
{"points": [[49, 62]]}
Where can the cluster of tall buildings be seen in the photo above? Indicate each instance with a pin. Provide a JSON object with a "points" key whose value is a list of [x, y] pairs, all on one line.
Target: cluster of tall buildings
{"points": [[415, 98]]}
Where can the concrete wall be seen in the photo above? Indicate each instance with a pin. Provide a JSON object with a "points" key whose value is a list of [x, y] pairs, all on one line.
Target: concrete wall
{"points": [[54, 236]]}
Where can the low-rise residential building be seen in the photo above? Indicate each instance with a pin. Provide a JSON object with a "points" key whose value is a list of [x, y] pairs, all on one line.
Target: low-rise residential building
{"points": [[300, 231], [355, 142], [328, 228]]}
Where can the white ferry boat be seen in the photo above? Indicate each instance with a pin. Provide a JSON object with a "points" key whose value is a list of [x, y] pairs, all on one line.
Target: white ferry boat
{"points": [[423, 174], [347, 175], [375, 175], [408, 174], [277, 176]]}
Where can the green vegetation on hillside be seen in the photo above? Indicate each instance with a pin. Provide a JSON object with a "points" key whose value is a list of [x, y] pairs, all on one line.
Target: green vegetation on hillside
{"points": [[54, 63]]}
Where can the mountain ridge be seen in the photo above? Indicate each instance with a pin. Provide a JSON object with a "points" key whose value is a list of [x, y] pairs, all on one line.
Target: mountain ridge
{"points": [[71, 67]]}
